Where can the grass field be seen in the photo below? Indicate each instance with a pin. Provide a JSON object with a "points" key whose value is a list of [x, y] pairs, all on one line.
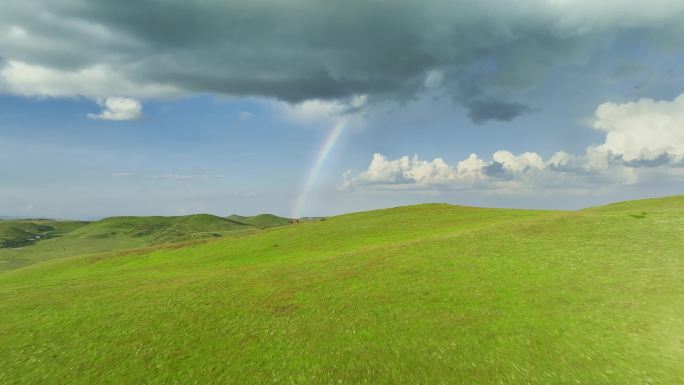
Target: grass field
{"points": [[263, 221], [428, 294], [25, 242]]}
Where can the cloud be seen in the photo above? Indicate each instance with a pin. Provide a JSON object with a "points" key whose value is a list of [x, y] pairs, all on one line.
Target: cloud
{"points": [[519, 163], [174, 176], [306, 50], [503, 172], [118, 109], [95, 82], [481, 111], [168, 176], [323, 111], [644, 132], [434, 79], [245, 115], [644, 142], [16, 32]]}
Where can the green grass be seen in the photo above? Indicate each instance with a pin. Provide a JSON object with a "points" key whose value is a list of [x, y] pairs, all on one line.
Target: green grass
{"points": [[262, 221], [667, 203], [429, 294], [160, 229], [19, 233], [27, 242]]}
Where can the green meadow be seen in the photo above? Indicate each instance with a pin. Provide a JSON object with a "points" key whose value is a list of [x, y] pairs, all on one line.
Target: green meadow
{"points": [[25, 242], [426, 294]]}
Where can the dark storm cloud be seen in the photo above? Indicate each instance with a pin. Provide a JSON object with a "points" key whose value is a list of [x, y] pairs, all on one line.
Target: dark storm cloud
{"points": [[481, 111], [305, 49]]}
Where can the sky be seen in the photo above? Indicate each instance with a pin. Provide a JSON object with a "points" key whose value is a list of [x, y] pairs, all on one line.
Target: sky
{"points": [[314, 108]]}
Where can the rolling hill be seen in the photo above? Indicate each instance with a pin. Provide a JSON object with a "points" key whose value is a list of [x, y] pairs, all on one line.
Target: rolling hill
{"points": [[18, 233], [160, 229], [24, 242], [427, 294], [262, 221]]}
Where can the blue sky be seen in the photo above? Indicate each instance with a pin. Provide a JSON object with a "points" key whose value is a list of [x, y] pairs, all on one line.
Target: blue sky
{"points": [[83, 135]]}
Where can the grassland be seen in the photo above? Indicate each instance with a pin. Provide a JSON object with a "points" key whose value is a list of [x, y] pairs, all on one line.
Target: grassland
{"points": [[263, 221], [24, 242], [19, 233], [429, 294]]}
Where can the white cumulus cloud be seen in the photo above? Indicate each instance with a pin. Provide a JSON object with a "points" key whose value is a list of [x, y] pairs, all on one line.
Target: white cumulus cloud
{"points": [[519, 163], [642, 131], [118, 109], [644, 142]]}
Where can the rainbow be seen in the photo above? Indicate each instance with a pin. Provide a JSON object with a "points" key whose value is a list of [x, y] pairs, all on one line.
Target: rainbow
{"points": [[322, 154]]}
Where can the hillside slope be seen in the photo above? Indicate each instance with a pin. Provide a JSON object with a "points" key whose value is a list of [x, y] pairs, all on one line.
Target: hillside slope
{"points": [[24, 242], [18, 233], [262, 220], [421, 294], [652, 204], [159, 229]]}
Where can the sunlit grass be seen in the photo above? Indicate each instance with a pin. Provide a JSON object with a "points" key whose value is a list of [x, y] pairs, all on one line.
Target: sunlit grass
{"points": [[432, 294]]}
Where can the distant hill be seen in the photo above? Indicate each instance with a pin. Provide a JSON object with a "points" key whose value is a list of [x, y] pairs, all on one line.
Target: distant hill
{"points": [[160, 229], [237, 218], [262, 221], [17, 233], [24, 242], [12, 234]]}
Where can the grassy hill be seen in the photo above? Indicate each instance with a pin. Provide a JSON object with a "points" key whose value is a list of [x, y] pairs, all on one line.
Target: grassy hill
{"points": [[12, 234], [160, 229], [428, 294], [262, 221], [24, 242], [673, 202], [18, 233]]}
